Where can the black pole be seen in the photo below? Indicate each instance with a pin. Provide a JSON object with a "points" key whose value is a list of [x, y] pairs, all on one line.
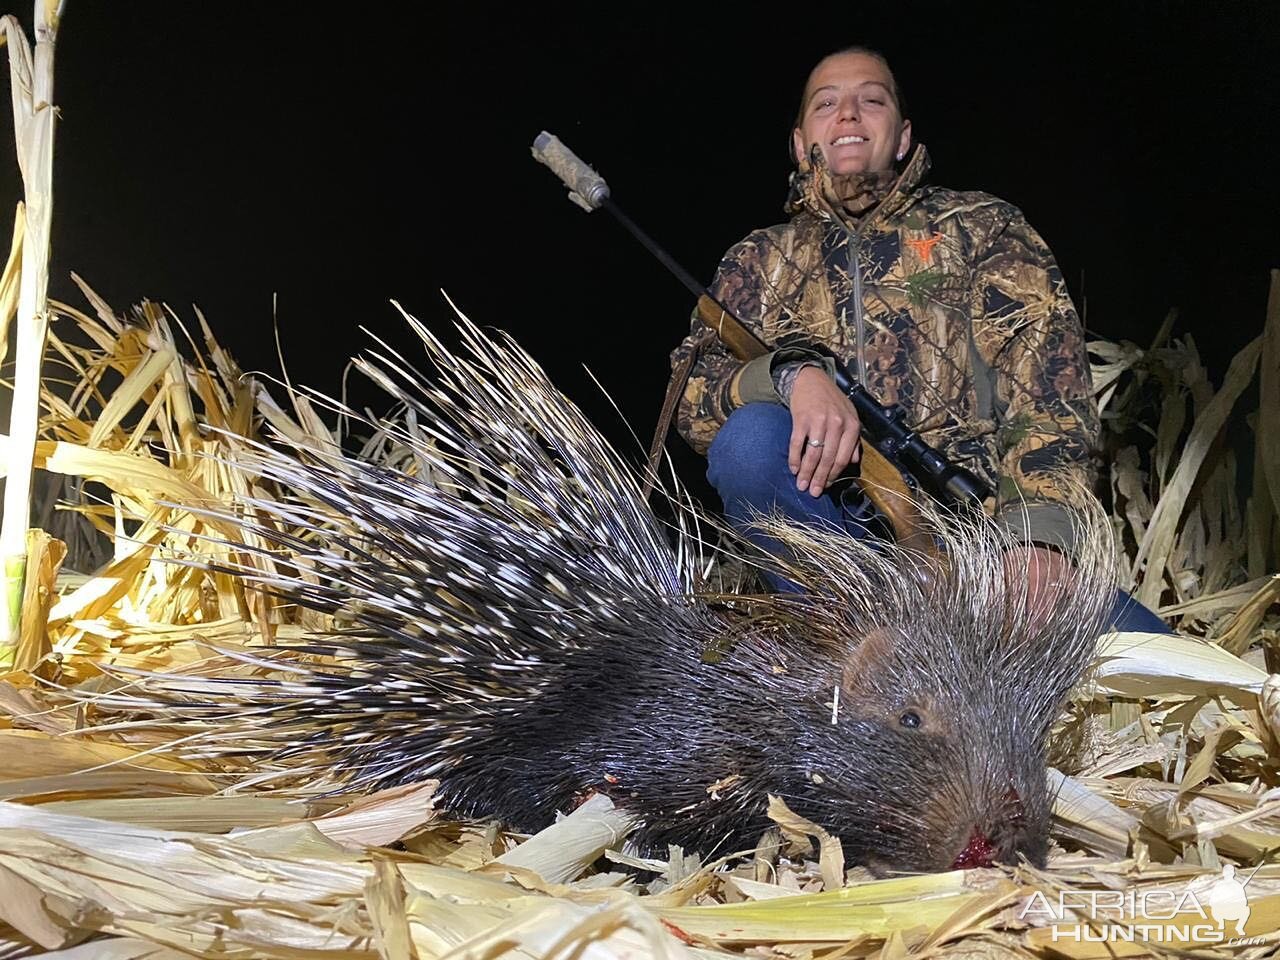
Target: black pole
{"points": [[683, 275]]}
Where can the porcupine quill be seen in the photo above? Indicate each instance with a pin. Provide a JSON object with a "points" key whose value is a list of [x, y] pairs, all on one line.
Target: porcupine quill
{"points": [[527, 631]]}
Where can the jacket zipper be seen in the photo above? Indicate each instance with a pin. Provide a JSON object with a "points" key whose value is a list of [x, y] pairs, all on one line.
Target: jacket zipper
{"points": [[853, 246], [860, 334], [855, 240]]}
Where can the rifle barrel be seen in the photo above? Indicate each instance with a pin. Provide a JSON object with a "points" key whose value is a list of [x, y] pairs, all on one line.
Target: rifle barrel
{"points": [[683, 275]]}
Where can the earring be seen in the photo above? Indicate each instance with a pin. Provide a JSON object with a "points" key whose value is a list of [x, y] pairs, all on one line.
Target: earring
{"points": [[901, 155]]}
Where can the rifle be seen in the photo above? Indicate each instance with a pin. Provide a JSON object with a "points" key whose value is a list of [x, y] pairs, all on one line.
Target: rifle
{"points": [[891, 442], [884, 426]]}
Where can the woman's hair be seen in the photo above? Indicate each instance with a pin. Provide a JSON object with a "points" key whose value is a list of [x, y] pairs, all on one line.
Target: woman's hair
{"points": [[894, 88]]}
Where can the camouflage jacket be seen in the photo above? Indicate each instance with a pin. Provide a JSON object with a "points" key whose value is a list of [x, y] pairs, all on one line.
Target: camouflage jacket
{"points": [[956, 311]]}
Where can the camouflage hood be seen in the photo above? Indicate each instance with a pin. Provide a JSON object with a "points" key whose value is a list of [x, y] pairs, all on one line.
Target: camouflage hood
{"points": [[814, 189]]}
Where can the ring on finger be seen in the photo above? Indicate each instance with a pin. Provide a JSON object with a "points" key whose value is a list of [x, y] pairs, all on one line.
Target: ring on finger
{"points": [[814, 443]]}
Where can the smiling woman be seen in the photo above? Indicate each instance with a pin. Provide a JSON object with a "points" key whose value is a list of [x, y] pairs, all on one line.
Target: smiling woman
{"points": [[945, 303], [852, 110]]}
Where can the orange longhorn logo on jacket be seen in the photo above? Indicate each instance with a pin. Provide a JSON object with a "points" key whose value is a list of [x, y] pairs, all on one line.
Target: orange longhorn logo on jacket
{"points": [[923, 246]]}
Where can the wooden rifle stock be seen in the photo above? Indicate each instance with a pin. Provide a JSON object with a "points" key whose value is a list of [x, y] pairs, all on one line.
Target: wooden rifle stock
{"points": [[880, 480]]}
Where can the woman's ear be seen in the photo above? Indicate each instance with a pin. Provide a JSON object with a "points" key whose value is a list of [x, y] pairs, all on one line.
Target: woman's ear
{"points": [[904, 139], [798, 150]]}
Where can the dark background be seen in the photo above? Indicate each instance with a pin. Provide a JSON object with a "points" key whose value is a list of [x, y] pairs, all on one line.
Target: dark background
{"points": [[223, 155]]}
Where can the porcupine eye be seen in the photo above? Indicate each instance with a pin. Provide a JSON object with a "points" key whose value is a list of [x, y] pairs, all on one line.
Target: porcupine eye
{"points": [[910, 719]]}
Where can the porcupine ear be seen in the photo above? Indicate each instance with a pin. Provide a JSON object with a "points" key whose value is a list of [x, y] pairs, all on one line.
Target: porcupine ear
{"points": [[866, 665]]}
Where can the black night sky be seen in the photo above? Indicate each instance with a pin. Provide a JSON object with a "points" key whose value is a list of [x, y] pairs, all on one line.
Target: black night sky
{"points": [[218, 155]]}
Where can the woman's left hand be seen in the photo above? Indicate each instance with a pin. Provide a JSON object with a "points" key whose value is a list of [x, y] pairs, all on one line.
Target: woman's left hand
{"points": [[1046, 573]]}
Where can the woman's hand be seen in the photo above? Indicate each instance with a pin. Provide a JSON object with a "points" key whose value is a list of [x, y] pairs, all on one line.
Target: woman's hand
{"points": [[1047, 574], [824, 431]]}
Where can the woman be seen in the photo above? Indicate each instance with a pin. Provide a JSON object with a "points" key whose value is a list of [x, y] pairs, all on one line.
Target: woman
{"points": [[945, 302]]}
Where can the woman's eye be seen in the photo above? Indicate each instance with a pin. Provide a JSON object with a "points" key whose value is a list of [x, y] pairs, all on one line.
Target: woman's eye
{"points": [[910, 719]]}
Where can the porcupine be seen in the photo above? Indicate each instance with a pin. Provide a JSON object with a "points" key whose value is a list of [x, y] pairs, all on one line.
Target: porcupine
{"points": [[525, 630]]}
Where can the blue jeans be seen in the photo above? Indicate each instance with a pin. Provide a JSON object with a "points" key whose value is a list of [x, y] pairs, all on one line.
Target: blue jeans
{"points": [[747, 464]]}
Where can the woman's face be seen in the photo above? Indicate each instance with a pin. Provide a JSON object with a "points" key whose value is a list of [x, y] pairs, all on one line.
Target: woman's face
{"points": [[851, 112]]}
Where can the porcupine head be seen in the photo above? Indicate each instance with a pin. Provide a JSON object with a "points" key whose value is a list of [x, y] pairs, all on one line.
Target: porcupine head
{"points": [[946, 680]]}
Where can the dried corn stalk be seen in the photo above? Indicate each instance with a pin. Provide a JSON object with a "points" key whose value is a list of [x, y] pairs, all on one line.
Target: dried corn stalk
{"points": [[31, 83]]}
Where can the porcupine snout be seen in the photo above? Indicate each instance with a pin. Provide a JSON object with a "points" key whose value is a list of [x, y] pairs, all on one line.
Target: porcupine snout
{"points": [[997, 812], [908, 786], [925, 780]]}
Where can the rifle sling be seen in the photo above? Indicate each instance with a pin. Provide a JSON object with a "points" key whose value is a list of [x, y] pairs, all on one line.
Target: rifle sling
{"points": [[679, 377]]}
